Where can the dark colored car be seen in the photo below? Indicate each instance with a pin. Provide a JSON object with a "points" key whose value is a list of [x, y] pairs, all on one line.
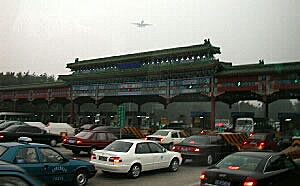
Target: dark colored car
{"points": [[120, 134], [37, 135], [86, 127], [47, 164], [6, 124], [13, 175], [260, 141], [88, 141], [252, 169], [204, 148]]}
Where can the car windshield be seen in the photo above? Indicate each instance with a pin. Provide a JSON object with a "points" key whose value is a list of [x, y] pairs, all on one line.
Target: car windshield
{"points": [[12, 128], [257, 137], [2, 150], [198, 140], [161, 133], [86, 126], [119, 146], [84, 135], [241, 162]]}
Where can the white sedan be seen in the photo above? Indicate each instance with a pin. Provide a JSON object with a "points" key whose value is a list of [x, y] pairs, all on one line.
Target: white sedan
{"points": [[134, 156]]}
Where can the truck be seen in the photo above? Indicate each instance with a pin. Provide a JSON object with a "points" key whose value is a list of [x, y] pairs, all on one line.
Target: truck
{"points": [[244, 125]]}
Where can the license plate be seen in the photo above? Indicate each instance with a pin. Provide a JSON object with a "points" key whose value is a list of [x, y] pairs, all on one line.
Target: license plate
{"points": [[254, 142], [71, 141], [222, 183], [102, 158]]}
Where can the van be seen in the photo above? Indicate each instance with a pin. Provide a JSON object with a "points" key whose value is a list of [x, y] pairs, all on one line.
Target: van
{"points": [[62, 129]]}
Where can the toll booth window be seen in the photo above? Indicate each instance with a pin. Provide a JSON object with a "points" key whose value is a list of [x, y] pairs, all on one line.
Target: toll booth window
{"points": [[26, 155]]}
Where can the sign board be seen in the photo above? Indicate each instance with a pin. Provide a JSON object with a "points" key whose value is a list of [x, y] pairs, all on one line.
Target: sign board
{"points": [[121, 116]]}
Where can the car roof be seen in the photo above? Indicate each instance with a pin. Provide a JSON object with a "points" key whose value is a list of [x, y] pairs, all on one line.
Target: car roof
{"points": [[134, 140], [14, 144], [168, 130]]}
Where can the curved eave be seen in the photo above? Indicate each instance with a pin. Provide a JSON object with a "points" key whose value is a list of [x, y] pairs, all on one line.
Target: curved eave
{"points": [[143, 72], [257, 69], [34, 86], [190, 50]]}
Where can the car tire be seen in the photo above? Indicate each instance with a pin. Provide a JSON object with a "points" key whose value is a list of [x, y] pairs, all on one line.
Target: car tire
{"points": [[174, 165], [209, 159], [135, 171], [53, 142], [80, 178], [76, 152]]}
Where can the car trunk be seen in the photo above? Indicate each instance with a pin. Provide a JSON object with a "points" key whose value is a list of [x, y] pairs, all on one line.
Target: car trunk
{"points": [[226, 177]]}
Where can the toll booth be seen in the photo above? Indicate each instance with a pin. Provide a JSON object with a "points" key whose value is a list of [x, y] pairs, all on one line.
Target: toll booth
{"points": [[200, 120]]}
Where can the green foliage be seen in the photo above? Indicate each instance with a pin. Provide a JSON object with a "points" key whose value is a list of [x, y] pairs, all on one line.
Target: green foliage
{"points": [[12, 78]]}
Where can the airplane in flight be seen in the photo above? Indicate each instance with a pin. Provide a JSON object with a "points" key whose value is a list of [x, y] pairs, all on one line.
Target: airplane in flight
{"points": [[141, 24]]}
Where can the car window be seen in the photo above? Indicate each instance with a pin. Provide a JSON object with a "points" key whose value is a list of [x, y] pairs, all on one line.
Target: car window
{"points": [[119, 146], [278, 162], [23, 129], [35, 130], [174, 135], [257, 137], [213, 140], [11, 180], [248, 163], [161, 133], [101, 136], [197, 140], [155, 148], [111, 137], [26, 155], [142, 148], [50, 156], [181, 134], [84, 135], [2, 150]]}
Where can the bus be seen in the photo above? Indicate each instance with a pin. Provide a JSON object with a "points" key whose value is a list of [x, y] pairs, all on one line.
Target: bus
{"points": [[16, 116]]}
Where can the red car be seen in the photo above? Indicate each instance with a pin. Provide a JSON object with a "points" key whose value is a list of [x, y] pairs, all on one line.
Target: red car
{"points": [[88, 141], [260, 141]]}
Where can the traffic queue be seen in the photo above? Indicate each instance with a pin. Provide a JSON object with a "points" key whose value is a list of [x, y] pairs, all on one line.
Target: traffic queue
{"points": [[228, 164]]}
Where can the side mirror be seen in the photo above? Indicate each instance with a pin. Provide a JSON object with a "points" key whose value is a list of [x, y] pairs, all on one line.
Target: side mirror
{"points": [[164, 150]]}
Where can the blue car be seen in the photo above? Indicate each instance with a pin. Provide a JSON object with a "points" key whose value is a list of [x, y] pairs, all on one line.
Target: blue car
{"points": [[46, 164], [13, 175]]}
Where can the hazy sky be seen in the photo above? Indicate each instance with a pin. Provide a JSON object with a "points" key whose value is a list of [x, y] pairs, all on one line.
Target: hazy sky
{"points": [[44, 35]]}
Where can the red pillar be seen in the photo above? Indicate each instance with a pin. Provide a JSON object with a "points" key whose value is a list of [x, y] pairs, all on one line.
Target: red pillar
{"points": [[265, 101], [212, 112]]}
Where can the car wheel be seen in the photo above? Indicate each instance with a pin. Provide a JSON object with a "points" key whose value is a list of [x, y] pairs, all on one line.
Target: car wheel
{"points": [[53, 143], [76, 152], [174, 165], [135, 171], [80, 178], [209, 159]]}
